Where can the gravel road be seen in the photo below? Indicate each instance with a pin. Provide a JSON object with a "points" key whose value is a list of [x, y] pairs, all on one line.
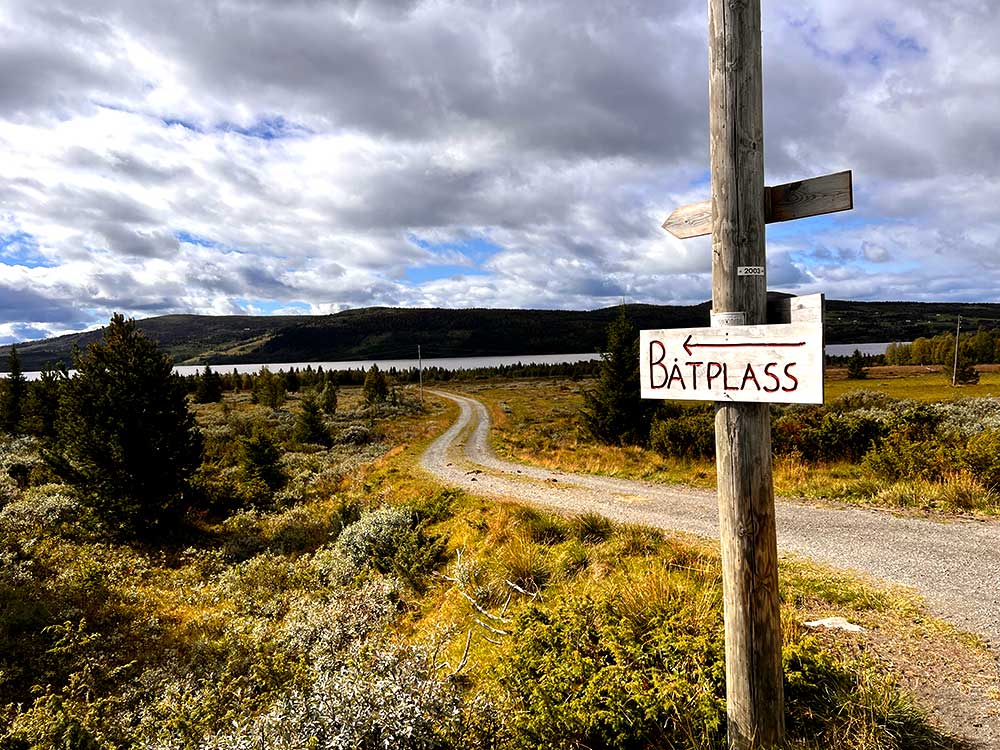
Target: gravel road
{"points": [[954, 564]]}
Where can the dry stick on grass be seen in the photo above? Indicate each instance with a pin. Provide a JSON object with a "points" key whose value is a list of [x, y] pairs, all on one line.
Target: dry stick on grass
{"points": [[464, 660], [482, 610], [533, 595], [495, 631]]}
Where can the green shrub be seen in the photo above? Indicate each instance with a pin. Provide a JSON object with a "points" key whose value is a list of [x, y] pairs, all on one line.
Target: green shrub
{"points": [[983, 458], [436, 507], [391, 540], [817, 434], [577, 673], [684, 431], [48, 724], [900, 458]]}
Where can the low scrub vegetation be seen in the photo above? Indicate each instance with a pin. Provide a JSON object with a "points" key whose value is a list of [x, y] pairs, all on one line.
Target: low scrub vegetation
{"points": [[303, 593]]}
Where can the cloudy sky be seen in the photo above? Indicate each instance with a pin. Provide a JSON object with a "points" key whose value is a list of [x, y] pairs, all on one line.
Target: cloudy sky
{"points": [[307, 156]]}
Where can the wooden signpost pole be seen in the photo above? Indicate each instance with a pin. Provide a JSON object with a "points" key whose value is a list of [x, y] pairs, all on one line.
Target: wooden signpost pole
{"points": [[754, 694], [742, 363]]}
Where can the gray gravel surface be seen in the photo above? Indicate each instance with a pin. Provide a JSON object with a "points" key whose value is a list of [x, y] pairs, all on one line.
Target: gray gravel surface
{"points": [[954, 564]]}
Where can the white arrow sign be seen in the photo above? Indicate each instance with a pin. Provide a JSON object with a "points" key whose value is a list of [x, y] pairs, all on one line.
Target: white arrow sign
{"points": [[771, 363]]}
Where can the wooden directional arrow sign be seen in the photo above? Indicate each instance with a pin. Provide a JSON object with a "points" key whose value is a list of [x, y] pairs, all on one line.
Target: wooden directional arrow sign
{"points": [[794, 200], [772, 363]]}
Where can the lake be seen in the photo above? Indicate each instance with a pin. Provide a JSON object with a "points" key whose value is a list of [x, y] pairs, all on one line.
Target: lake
{"points": [[446, 363], [458, 363]]}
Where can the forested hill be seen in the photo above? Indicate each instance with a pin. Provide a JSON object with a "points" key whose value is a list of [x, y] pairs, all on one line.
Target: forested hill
{"points": [[395, 333]]}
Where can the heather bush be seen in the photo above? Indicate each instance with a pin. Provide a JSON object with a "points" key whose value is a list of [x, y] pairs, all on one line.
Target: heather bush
{"points": [[49, 509], [355, 435], [320, 628], [391, 540], [377, 695]]}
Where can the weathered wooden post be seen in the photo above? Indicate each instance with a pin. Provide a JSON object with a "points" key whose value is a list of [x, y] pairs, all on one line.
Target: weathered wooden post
{"points": [[754, 692], [742, 362]]}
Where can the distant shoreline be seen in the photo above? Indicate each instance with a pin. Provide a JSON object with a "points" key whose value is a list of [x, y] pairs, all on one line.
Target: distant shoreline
{"points": [[450, 363]]}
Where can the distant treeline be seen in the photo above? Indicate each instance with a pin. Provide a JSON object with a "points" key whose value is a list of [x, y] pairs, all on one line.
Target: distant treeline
{"points": [[295, 379], [979, 348]]}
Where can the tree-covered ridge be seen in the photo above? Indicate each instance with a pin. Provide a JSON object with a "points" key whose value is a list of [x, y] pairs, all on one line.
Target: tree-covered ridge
{"points": [[395, 333]]}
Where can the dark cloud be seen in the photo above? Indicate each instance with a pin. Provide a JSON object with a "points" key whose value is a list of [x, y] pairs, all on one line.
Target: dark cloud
{"points": [[19, 304]]}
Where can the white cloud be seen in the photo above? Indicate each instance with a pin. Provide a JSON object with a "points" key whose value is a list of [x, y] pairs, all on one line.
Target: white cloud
{"points": [[561, 133]]}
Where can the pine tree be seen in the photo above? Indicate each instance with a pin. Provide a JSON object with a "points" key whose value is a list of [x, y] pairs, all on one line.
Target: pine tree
{"points": [[269, 389], [329, 399], [375, 389], [12, 401], [124, 434], [260, 460], [856, 369], [309, 425], [612, 411], [209, 388], [966, 374], [42, 405]]}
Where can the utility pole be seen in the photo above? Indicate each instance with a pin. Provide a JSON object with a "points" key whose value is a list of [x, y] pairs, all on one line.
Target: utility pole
{"points": [[754, 690], [954, 367]]}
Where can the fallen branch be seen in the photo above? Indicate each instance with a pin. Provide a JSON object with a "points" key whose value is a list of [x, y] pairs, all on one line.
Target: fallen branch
{"points": [[495, 631]]}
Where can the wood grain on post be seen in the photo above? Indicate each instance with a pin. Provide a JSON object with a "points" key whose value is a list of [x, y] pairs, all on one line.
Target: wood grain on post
{"points": [[754, 694]]}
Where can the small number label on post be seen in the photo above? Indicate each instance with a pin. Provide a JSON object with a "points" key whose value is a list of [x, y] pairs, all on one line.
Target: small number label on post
{"points": [[750, 271]]}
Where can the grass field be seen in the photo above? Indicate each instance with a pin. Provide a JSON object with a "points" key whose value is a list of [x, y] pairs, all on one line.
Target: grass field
{"points": [[913, 382]]}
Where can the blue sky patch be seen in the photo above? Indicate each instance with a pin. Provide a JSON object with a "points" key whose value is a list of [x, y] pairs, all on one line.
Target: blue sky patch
{"points": [[193, 239], [266, 128], [21, 249], [186, 124], [477, 250], [433, 273], [273, 307]]}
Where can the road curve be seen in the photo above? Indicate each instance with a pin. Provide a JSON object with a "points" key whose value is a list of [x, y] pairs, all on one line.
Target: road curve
{"points": [[954, 564]]}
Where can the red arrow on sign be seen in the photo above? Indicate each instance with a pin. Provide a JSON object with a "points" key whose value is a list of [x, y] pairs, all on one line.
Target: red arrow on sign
{"points": [[688, 346]]}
